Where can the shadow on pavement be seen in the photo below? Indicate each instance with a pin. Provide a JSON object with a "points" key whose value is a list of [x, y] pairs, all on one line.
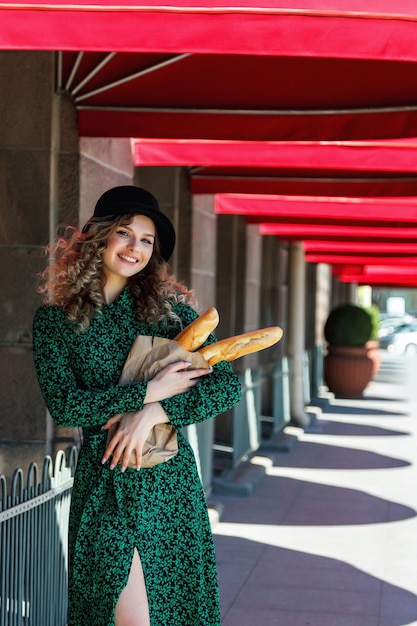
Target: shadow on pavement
{"points": [[323, 456], [357, 430], [358, 410], [382, 399], [287, 587], [289, 501]]}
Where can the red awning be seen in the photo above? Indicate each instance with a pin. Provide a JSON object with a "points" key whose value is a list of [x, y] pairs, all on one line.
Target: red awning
{"points": [[346, 168], [299, 72], [384, 29], [397, 155], [206, 96], [371, 248], [317, 70], [345, 210], [339, 232], [377, 275], [362, 259]]}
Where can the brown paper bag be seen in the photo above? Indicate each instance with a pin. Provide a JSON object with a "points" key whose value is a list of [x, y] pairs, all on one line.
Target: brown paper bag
{"points": [[146, 358]]}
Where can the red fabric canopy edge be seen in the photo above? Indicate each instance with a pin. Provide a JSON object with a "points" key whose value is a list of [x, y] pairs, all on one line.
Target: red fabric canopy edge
{"points": [[367, 247], [340, 232], [214, 29], [383, 155], [362, 259], [399, 209], [382, 275]]}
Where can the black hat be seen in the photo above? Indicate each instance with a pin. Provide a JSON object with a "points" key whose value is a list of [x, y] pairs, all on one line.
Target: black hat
{"points": [[129, 199]]}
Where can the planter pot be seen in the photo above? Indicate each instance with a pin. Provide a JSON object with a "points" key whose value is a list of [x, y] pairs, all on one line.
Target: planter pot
{"points": [[348, 370]]}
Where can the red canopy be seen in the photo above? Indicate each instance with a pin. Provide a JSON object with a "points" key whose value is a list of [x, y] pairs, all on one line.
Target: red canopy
{"points": [[376, 248], [339, 232], [301, 80], [322, 70], [345, 210], [346, 168], [342, 28], [397, 155], [377, 275], [363, 221]]}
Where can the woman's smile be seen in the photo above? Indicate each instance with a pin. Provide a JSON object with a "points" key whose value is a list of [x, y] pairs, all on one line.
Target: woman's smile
{"points": [[129, 259]]}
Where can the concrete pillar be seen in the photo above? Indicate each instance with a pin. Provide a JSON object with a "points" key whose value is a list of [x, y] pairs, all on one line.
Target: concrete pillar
{"points": [[275, 392], [239, 296], [171, 186], [38, 191], [104, 163], [230, 280], [342, 292], [252, 313], [296, 333], [230, 301], [274, 293], [203, 281], [251, 364], [322, 295], [204, 250]]}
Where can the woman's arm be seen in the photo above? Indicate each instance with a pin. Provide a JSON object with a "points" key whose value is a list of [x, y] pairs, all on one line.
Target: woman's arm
{"points": [[68, 403], [211, 396]]}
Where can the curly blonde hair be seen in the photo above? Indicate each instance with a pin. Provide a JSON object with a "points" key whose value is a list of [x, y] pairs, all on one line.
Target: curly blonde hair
{"points": [[74, 279]]}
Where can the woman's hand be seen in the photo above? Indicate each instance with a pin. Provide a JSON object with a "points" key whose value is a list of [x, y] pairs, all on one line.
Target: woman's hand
{"points": [[173, 379], [132, 433]]}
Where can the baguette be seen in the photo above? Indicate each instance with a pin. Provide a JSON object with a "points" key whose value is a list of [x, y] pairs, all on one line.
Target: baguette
{"points": [[196, 333], [234, 347]]}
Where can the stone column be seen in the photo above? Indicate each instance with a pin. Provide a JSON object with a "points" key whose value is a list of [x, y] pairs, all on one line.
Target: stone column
{"points": [[38, 191], [170, 185], [275, 411], [231, 268], [230, 301], [203, 281], [296, 333], [104, 163]]}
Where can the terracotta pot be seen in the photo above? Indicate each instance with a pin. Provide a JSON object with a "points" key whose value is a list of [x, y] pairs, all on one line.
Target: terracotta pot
{"points": [[348, 370]]}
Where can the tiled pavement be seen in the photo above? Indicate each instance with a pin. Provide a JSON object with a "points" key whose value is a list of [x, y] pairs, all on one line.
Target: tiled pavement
{"points": [[329, 536]]}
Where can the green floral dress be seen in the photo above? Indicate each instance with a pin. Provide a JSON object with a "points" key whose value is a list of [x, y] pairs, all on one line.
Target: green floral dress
{"points": [[161, 510]]}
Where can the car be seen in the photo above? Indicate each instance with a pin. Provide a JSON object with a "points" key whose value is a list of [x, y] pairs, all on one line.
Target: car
{"points": [[388, 324], [402, 340]]}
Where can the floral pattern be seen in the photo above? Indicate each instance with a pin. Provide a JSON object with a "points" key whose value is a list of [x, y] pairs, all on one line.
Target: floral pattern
{"points": [[161, 510]]}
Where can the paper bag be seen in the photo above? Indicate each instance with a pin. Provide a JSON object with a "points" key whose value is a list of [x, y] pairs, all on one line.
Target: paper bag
{"points": [[146, 358]]}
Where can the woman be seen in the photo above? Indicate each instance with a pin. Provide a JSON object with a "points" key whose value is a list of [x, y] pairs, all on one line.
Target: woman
{"points": [[141, 550]]}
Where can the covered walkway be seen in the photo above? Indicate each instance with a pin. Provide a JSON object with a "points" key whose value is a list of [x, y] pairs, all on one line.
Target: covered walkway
{"points": [[328, 538]]}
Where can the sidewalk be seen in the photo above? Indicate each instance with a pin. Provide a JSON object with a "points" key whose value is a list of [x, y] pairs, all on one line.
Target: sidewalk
{"points": [[329, 536]]}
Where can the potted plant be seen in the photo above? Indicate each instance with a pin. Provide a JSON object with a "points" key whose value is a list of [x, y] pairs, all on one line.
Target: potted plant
{"points": [[352, 358]]}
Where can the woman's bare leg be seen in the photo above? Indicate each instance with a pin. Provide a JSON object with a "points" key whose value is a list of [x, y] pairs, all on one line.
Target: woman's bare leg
{"points": [[132, 606]]}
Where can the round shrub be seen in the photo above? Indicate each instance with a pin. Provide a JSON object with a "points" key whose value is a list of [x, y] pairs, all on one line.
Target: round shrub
{"points": [[349, 325]]}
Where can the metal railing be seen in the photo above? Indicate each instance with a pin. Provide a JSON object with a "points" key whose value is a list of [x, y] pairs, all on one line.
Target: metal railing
{"points": [[33, 543]]}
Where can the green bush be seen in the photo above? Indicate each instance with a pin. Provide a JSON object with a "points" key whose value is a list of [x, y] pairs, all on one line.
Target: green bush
{"points": [[376, 319], [351, 325]]}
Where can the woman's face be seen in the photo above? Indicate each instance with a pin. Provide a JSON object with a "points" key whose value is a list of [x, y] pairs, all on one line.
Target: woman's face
{"points": [[129, 249]]}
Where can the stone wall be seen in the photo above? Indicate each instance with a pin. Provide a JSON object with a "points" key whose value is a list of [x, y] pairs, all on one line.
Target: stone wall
{"points": [[38, 191]]}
